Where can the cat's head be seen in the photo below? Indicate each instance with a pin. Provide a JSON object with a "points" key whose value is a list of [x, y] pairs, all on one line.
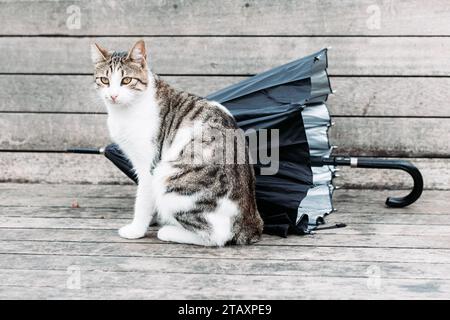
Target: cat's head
{"points": [[121, 77]]}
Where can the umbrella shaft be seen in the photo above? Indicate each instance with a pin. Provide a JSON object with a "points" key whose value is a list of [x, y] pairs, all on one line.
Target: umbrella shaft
{"points": [[86, 150]]}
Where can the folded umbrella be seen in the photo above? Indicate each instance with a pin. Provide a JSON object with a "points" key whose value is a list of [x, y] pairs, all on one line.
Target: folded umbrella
{"points": [[292, 99]]}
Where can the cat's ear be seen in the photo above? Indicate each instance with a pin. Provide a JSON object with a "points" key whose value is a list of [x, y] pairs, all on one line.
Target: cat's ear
{"points": [[138, 53], [98, 54]]}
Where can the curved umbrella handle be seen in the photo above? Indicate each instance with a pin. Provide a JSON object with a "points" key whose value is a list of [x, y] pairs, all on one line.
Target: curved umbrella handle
{"points": [[416, 192], [373, 163]]}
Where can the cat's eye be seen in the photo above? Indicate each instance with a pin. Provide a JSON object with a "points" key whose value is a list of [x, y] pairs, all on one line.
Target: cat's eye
{"points": [[104, 80], [126, 80]]}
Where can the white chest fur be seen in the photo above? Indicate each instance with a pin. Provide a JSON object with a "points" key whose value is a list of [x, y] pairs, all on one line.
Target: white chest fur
{"points": [[134, 129]]}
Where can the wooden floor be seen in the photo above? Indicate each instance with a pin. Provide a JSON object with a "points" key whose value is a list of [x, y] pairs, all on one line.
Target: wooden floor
{"points": [[49, 250]]}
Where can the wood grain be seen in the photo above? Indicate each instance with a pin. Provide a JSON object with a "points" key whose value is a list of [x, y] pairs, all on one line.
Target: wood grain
{"points": [[392, 216], [118, 285], [430, 199], [362, 234], [157, 250], [361, 224], [390, 70], [409, 137], [295, 268], [400, 56], [32, 167], [238, 17], [108, 199], [41, 239], [355, 96], [392, 137]]}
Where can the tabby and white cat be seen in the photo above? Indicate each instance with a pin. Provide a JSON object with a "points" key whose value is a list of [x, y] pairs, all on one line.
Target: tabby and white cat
{"points": [[211, 203]]}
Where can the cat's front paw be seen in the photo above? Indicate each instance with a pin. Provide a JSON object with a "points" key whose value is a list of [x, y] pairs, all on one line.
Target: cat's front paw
{"points": [[131, 231]]}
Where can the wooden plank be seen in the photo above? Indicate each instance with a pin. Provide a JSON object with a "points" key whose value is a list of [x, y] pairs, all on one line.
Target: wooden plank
{"points": [[53, 191], [77, 94], [235, 55], [71, 168], [52, 131], [375, 216], [408, 253], [110, 197], [331, 292], [385, 96], [276, 252], [122, 196], [72, 213], [391, 137], [373, 201], [110, 285], [409, 137], [358, 235], [295, 268], [355, 96], [59, 168], [68, 212], [357, 224], [254, 17]]}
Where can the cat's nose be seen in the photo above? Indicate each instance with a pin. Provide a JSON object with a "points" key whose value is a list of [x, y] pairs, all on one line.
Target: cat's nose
{"points": [[114, 97]]}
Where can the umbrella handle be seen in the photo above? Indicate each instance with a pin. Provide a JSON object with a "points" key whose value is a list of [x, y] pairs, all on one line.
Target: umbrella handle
{"points": [[373, 163]]}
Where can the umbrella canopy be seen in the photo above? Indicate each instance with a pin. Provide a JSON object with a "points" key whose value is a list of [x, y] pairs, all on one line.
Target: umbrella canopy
{"points": [[292, 99]]}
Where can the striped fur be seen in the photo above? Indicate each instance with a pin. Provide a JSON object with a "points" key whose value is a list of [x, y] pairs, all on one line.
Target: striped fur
{"points": [[207, 203]]}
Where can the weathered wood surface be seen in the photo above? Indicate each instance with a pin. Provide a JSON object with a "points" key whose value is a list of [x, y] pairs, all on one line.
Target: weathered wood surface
{"points": [[361, 233], [242, 17], [411, 270], [402, 56], [355, 96], [411, 216], [391, 80], [383, 253], [270, 252], [38, 167], [108, 198], [387, 223], [125, 286], [358, 135]]}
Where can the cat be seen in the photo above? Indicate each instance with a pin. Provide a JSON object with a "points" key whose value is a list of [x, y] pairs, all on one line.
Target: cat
{"points": [[209, 203]]}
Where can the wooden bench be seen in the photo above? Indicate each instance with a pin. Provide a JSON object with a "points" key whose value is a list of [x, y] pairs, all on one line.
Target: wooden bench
{"points": [[390, 70]]}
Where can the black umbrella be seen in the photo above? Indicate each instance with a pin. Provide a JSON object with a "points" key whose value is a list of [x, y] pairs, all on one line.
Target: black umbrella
{"points": [[290, 98]]}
